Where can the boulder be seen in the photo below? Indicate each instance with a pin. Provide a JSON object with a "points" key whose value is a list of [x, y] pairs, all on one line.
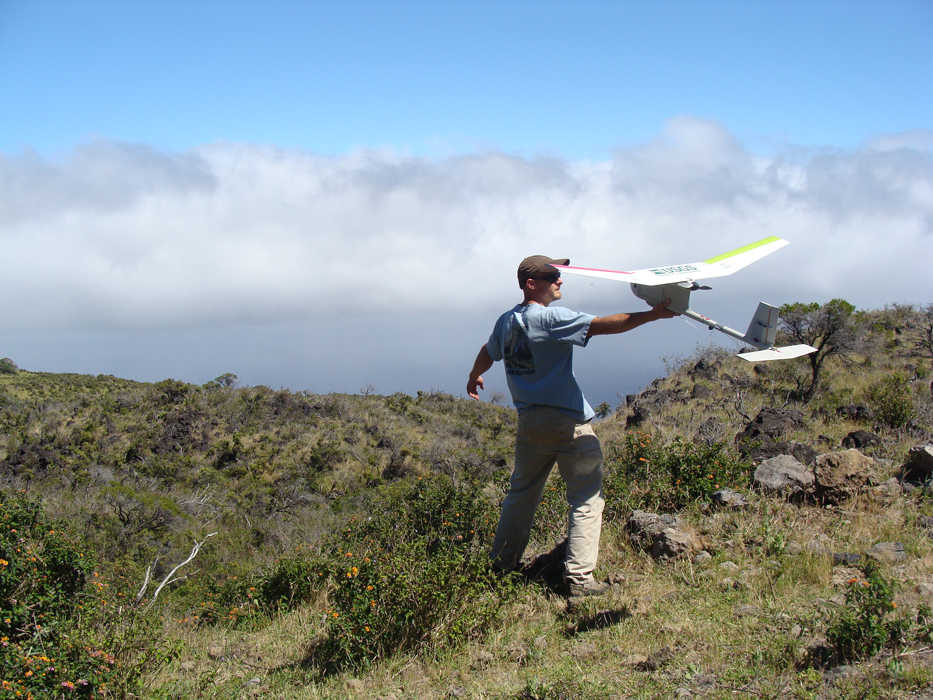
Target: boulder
{"points": [[856, 412], [710, 431], [765, 448], [705, 369], [663, 536], [919, 465], [887, 491], [762, 437], [700, 391], [846, 559], [783, 476], [840, 475], [887, 552], [860, 438], [702, 557], [802, 453], [772, 423], [673, 543], [727, 498], [639, 415]]}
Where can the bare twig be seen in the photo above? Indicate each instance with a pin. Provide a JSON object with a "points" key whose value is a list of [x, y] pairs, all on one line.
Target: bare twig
{"points": [[169, 576], [146, 580], [922, 650], [738, 403]]}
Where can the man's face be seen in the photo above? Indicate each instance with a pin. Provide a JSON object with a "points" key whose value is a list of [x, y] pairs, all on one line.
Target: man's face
{"points": [[547, 288]]}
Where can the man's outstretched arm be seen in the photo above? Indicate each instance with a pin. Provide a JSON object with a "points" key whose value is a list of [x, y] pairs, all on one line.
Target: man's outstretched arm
{"points": [[481, 364], [620, 323]]}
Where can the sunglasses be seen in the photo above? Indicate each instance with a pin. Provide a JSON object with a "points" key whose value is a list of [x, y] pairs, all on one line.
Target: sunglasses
{"points": [[549, 278]]}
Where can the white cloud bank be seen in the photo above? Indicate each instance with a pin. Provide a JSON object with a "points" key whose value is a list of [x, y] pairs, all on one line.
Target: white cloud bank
{"points": [[119, 236]]}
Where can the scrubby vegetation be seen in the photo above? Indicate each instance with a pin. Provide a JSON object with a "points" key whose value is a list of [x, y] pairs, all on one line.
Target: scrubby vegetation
{"points": [[176, 540]]}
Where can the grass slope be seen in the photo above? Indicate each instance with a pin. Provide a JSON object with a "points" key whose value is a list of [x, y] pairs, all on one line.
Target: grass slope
{"points": [[351, 532]]}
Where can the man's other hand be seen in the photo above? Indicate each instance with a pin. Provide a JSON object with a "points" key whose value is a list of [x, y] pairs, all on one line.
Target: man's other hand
{"points": [[474, 386]]}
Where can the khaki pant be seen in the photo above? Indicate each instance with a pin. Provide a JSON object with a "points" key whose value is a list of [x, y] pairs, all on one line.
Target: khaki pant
{"points": [[545, 436]]}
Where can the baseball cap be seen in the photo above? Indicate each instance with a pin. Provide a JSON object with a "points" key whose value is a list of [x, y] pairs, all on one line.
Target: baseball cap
{"points": [[537, 266]]}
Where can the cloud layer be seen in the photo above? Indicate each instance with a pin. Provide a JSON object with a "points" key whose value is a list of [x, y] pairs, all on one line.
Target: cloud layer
{"points": [[120, 236]]}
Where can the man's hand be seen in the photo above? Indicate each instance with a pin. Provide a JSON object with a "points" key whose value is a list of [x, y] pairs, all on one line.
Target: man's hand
{"points": [[473, 387], [481, 364], [661, 311]]}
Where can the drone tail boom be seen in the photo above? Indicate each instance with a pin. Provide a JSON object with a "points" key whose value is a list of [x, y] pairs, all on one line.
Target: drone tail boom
{"points": [[761, 334]]}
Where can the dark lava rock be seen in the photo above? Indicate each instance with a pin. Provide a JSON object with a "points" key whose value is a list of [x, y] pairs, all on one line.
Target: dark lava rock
{"points": [[846, 559], [919, 465], [857, 412], [860, 438]]}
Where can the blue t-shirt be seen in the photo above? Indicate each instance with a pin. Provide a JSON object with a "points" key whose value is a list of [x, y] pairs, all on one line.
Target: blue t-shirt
{"points": [[536, 342]]}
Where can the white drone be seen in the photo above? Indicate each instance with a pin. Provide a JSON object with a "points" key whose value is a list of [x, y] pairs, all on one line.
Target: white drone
{"points": [[675, 282]]}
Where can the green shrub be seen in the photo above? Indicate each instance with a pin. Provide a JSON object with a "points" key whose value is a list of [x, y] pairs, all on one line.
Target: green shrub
{"points": [[414, 574], [58, 634], [285, 584], [643, 472], [865, 626], [890, 400], [7, 366]]}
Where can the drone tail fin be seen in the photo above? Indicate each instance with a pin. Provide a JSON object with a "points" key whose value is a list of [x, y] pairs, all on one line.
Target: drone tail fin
{"points": [[763, 327], [761, 333]]}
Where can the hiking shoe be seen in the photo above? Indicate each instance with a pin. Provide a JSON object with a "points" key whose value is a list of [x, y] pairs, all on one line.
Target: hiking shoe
{"points": [[588, 588]]}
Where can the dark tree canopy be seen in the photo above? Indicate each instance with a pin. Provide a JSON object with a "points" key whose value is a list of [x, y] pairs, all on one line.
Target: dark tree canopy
{"points": [[831, 328]]}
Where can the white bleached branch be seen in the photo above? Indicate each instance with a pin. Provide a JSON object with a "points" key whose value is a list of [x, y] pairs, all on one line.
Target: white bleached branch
{"points": [[169, 576]]}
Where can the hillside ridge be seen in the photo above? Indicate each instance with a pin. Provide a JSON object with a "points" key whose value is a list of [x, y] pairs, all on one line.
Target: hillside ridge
{"points": [[305, 508]]}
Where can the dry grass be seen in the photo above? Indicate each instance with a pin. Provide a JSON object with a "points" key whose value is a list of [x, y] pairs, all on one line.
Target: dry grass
{"points": [[735, 625]]}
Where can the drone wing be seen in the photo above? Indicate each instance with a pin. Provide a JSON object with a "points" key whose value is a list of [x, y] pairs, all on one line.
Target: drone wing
{"points": [[717, 266]]}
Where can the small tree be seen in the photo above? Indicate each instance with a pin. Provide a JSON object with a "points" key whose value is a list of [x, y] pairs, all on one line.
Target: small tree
{"points": [[830, 328], [925, 344], [225, 380], [7, 366]]}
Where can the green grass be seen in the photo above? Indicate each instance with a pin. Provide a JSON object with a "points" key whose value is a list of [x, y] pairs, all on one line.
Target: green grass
{"points": [[409, 485]]}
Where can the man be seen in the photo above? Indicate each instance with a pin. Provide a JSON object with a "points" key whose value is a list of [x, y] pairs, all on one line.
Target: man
{"points": [[536, 342]]}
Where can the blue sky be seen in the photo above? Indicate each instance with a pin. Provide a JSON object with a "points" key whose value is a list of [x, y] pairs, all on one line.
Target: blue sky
{"points": [[334, 195], [560, 78]]}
